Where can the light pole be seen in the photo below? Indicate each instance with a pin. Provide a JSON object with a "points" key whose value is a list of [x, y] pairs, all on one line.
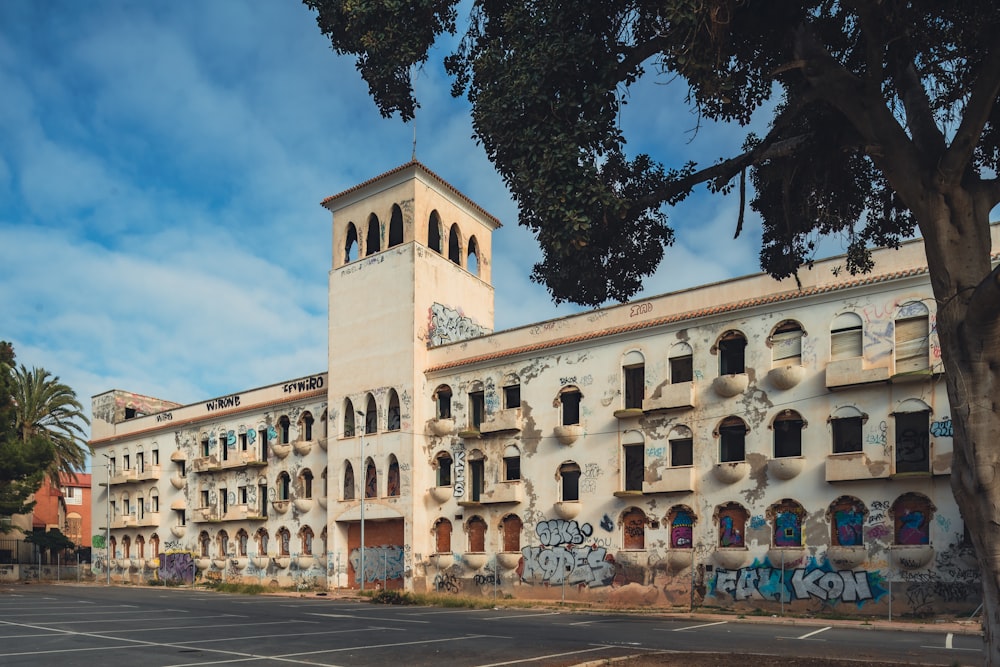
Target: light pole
{"points": [[107, 526], [364, 480]]}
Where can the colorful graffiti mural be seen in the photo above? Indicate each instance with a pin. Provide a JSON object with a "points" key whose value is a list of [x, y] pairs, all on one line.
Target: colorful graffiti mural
{"points": [[382, 562], [563, 557], [762, 581]]}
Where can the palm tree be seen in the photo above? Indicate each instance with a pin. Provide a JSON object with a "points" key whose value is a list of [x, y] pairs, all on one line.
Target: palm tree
{"points": [[45, 407]]}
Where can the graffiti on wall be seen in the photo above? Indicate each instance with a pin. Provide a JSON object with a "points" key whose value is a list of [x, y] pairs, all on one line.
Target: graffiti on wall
{"points": [[813, 581], [176, 567], [382, 562], [448, 325], [565, 558], [458, 454]]}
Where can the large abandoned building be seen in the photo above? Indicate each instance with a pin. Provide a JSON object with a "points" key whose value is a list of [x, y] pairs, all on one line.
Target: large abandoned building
{"points": [[744, 443]]}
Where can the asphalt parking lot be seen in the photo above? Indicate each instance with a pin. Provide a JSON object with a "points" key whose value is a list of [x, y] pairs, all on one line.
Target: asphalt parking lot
{"points": [[69, 625]]}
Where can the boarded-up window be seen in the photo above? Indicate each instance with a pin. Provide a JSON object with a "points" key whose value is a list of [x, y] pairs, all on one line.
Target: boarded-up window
{"points": [[634, 529], [786, 345], [512, 533], [786, 519], [912, 339], [681, 520], [846, 434], [442, 536], [477, 534], [846, 337], [732, 520], [912, 514], [847, 520]]}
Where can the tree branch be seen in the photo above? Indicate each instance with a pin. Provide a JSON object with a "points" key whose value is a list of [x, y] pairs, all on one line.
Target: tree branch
{"points": [[638, 55], [977, 112], [984, 306]]}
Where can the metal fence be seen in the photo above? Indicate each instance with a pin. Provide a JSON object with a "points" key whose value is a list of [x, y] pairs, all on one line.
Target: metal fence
{"points": [[16, 552]]}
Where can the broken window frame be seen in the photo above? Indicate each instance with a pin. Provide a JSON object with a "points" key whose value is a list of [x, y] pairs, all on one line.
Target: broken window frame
{"points": [[732, 440], [787, 434], [732, 353]]}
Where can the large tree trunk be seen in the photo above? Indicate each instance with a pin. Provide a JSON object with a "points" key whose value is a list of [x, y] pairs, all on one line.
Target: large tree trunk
{"points": [[957, 240]]}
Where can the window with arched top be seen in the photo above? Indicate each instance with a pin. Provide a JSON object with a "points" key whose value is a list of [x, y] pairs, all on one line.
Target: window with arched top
{"points": [[455, 245], [511, 463], [140, 547], [732, 440], [634, 460], [681, 446], [392, 478], [786, 344], [472, 258], [912, 338], [443, 463], [242, 540], [731, 519], [681, 520], [912, 514], [348, 481], [846, 337], [392, 413], [371, 415], [633, 379], [371, 479], [846, 424], [306, 426], [222, 544], [348, 418], [323, 483], [569, 481], [510, 527], [126, 547], [634, 529], [373, 238], [912, 427], [442, 536], [284, 541], [284, 429], [787, 427], [113, 547], [154, 545], [434, 232], [847, 521], [204, 544], [732, 353], [262, 539], [681, 360], [786, 518], [477, 405], [306, 541], [351, 245], [284, 486], [476, 529], [306, 483], [442, 402], [569, 400], [395, 226]]}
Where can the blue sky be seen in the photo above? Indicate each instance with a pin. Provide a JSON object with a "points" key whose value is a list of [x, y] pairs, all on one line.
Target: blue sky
{"points": [[161, 168]]}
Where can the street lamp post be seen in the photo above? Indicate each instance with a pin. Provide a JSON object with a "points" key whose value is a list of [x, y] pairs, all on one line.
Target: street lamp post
{"points": [[107, 526], [363, 478]]}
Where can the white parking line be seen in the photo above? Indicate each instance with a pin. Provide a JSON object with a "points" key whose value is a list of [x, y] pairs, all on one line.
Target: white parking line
{"points": [[695, 627], [546, 657], [368, 618], [947, 640], [504, 618], [815, 632]]}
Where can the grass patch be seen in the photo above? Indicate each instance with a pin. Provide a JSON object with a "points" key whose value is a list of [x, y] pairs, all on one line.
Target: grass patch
{"points": [[242, 589]]}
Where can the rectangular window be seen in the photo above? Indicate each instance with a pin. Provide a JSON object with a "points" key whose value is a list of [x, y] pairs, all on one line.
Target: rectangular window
{"points": [[444, 471], [787, 438], [732, 355], [634, 467], [155, 457], [140, 462], [681, 452], [478, 474], [512, 396], [512, 468], [224, 498], [182, 468], [154, 504], [477, 405], [241, 494], [846, 343], [681, 369], [125, 462], [244, 443], [912, 345], [570, 475], [732, 443], [181, 519], [205, 447], [912, 442], [204, 498], [635, 386], [443, 398], [570, 407], [846, 435]]}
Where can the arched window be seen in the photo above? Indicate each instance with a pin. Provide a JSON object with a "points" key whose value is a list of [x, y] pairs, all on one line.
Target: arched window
{"points": [[371, 479], [786, 519], [306, 483], [681, 443], [222, 544], [847, 520], [351, 243], [284, 428], [634, 529], [732, 353], [114, 547], [846, 340], [477, 474], [392, 414], [348, 481], [443, 463], [912, 426], [348, 418], [681, 363], [846, 424], [786, 344], [912, 338], [681, 521], [242, 539], [472, 259], [204, 543], [511, 392], [787, 427], [306, 540], [476, 528], [911, 516], [323, 424], [284, 486], [569, 481], [442, 402], [731, 519], [261, 538], [511, 463], [371, 415], [392, 478], [154, 545], [477, 405], [323, 484], [732, 440], [284, 541], [373, 238], [511, 526], [154, 500], [454, 245], [395, 226], [442, 536], [434, 232], [126, 547], [306, 426], [634, 460], [569, 399]]}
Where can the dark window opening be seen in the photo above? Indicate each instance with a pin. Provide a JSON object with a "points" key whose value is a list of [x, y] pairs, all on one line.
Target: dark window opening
{"points": [[682, 452], [569, 473], [434, 233], [732, 354], [454, 249], [374, 237], [395, 227], [307, 426], [512, 396], [512, 466], [443, 470], [635, 386], [351, 244], [788, 435], [570, 400], [477, 405], [846, 435], [443, 399], [371, 480], [912, 442], [732, 440], [477, 471], [681, 369], [284, 424], [634, 464], [392, 415]]}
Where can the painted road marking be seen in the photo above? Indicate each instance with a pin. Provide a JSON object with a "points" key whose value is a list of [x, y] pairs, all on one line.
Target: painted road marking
{"points": [[368, 618], [504, 618], [695, 627], [947, 640], [546, 657], [815, 632]]}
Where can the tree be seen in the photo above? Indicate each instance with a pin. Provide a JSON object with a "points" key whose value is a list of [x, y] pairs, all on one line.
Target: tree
{"points": [[22, 463], [51, 541], [46, 408], [886, 121]]}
